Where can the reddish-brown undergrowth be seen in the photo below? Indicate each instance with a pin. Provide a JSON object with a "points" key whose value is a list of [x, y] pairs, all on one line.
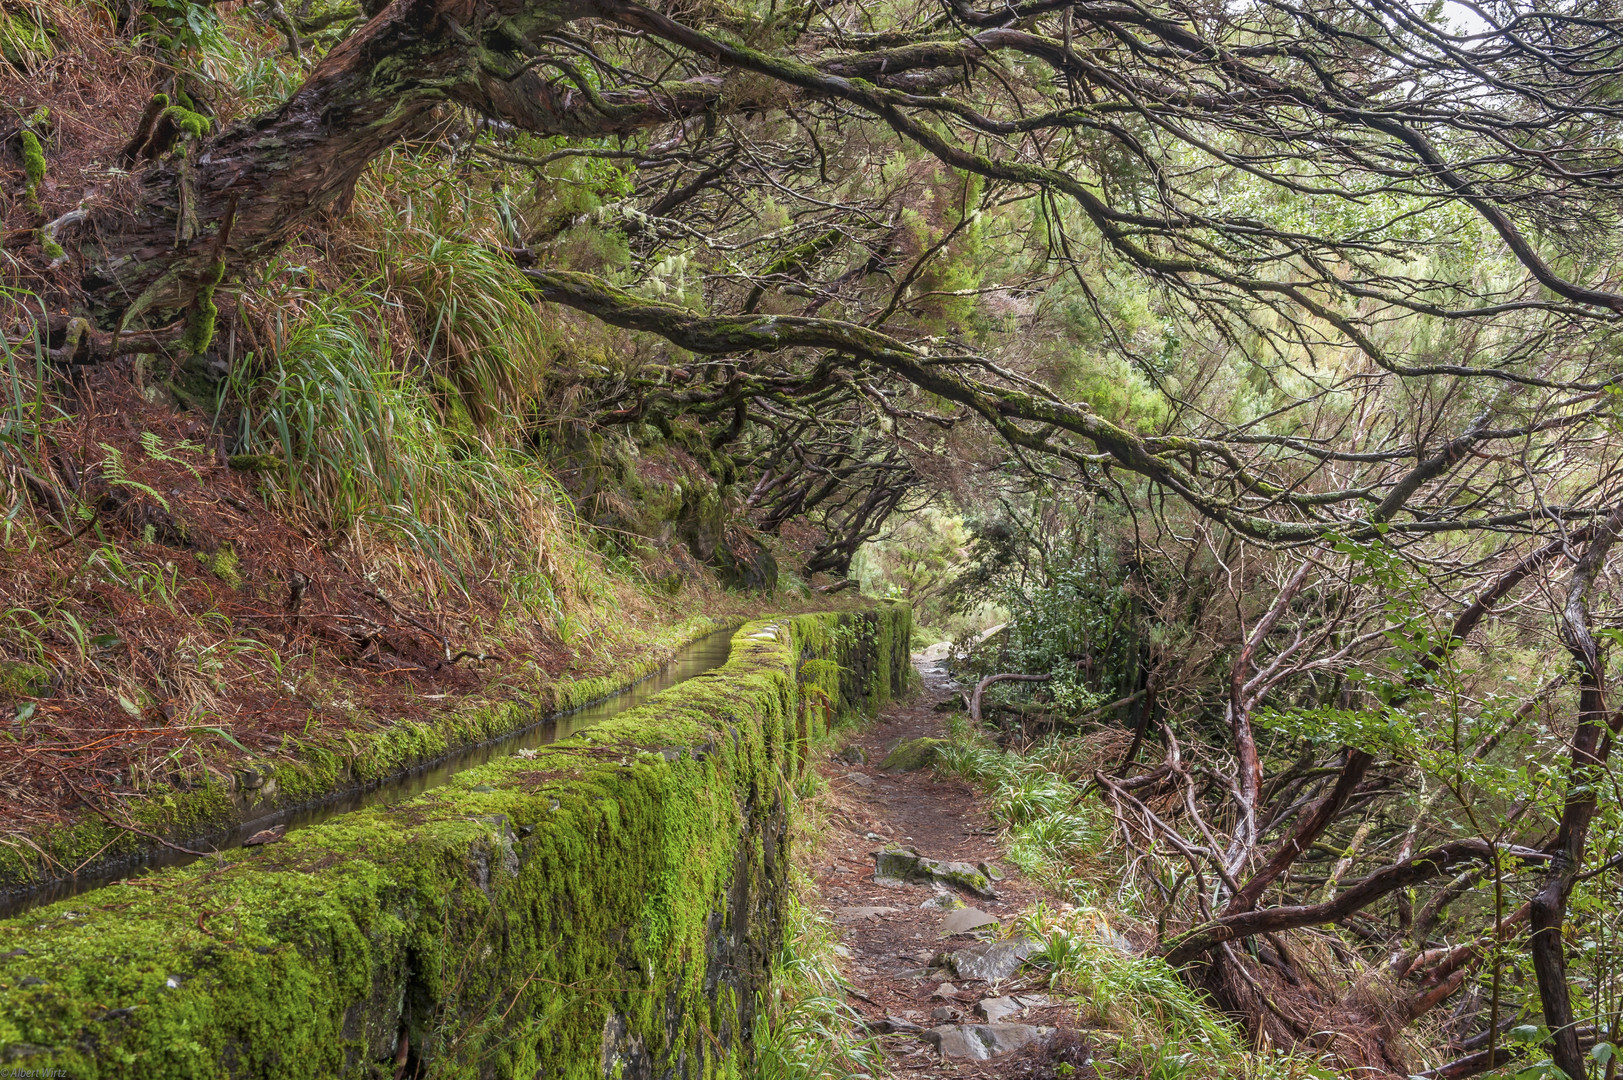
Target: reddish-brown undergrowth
{"points": [[156, 594]]}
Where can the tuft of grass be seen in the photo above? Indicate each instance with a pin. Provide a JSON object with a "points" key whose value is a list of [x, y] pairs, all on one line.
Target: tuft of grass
{"points": [[1028, 797], [974, 761], [365, 448], [1054, 839], [241, 53], [804, 1030], [475, 319]]}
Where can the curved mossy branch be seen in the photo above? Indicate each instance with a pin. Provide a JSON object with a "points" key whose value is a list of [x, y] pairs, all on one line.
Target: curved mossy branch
{"points": [[1005, 409]]}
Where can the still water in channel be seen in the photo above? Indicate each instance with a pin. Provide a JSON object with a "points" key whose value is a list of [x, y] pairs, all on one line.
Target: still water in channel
{"points": [[700, 658]]}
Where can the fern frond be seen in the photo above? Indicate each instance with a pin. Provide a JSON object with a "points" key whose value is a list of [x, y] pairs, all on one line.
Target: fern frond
{"points": [[152, 443], [112, 471]]}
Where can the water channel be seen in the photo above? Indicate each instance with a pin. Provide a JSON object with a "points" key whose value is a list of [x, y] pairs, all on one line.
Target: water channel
{"points": [[698, 658]]}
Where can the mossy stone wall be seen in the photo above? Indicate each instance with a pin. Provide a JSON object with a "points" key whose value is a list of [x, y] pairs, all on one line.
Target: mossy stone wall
{"points": [[606, 908]]}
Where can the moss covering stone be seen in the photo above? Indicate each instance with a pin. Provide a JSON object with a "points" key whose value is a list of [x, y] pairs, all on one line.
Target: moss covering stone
{"points": [[608, 907], [904, 865], [19, 679], [912, 754]]}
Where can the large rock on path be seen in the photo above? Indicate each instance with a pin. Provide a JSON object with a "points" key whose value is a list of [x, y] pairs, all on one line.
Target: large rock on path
{"points": [[993, 961], [904, 866], [982, 1042], [966, 919]]}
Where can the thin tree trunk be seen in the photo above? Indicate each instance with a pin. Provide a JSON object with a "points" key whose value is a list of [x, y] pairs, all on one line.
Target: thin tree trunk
{"points": [[1567, 850]]}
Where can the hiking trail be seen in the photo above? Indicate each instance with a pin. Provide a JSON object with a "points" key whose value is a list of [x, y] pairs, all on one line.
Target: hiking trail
{"points": [[929, 942]]}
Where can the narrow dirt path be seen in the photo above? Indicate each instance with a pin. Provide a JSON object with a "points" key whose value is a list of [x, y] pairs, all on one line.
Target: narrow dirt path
{"points": [[951, 1000]]}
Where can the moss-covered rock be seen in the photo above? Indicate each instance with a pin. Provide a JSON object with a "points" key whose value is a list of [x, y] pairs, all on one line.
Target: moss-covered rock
{"points": [[912, 754], [24, 680], [608, 907]]}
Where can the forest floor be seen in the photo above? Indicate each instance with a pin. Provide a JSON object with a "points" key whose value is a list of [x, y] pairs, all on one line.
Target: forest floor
{"points": [[948, 998]]}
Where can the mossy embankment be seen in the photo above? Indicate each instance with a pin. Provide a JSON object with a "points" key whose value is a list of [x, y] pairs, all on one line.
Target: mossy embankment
{"points": [[607, 906], [309, 771]]}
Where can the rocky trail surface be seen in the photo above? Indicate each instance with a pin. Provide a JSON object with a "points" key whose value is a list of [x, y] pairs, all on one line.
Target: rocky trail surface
{"points": [[910, 871]]}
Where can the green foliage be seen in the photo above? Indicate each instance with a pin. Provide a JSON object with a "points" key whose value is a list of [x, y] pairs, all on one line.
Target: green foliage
{"points": [[1153, 1024], [1072, 613], [115, 474], [178, 454], [1052, 839], [400, 400], [1027, 797], [916, 560], [26, 413], [180, 25], [258, 77], [1081, 607], [1386, 731], [976, 762]]}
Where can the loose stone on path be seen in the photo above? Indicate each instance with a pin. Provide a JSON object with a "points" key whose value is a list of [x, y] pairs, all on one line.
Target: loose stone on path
{"points": [[845, 916], [983, 1042], [993, 1010], [966, 919]]}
